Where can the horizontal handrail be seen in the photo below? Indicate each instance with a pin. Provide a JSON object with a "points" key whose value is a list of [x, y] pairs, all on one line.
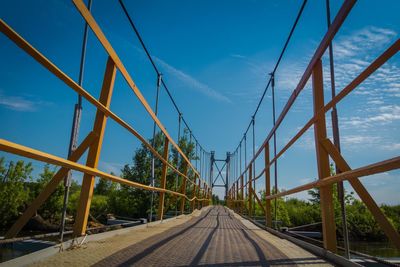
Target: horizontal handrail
{"points": [[45, 62], [330, 34], [378, 167], [31, 153], [87, 16], [376, 64]]}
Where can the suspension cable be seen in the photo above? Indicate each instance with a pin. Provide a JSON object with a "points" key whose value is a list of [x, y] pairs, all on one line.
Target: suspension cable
{"points": [[276, 161], [75, 129], [254, 165], [278, 61], [152, 62], [177, 161], [153, 143], [336, 139]]}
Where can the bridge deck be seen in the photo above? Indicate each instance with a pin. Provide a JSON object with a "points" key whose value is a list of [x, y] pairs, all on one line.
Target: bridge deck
{"points": [[214, 237]]}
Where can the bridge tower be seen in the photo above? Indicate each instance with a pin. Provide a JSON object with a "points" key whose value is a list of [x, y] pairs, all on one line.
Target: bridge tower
{"points": [[220, 180]]}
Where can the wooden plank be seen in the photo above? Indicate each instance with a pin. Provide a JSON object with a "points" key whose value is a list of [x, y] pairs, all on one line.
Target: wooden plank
{"points": [[49, 188], [160, 212], [362, 192], [94, 150], [326, 196]]}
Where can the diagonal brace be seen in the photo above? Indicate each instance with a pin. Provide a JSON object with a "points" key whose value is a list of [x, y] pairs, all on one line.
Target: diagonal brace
{"points": [[50, 187], [362, 192]]}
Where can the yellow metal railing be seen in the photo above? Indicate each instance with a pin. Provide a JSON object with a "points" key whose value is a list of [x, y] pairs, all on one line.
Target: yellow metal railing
{"points": [[201, 192], [325, 149]]}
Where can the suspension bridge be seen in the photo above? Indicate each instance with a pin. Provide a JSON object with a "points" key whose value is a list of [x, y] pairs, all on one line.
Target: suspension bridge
{"points": [[202, 234]]}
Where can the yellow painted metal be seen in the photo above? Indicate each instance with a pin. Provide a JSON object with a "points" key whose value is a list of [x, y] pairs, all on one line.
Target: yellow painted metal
{"points": [[27, 152], [326, 196], [362, 192], [268, 217], [80, 5], [258, 200], [194, 193], [163, 181], [49, 188], [28, 48], [94, 150], [185, 170]]}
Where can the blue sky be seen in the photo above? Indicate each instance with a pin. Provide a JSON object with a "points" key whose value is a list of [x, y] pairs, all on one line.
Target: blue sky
{"points": [[215, 57]]}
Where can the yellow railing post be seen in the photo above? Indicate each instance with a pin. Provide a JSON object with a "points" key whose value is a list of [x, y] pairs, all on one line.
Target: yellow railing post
{"points": [[268, 218], [185, 171], [193, 204], [160, 212], [326, 197], [94, 150]]}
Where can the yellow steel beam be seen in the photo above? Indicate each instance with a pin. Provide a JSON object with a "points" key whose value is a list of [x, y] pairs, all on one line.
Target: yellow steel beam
{"points": [[30, 50], [163, 181], [94, 150], [378, 167], [326, 199], [24, 151], [194, 192], [185, 169], [49, 188], [80, 5], [362, 192]]}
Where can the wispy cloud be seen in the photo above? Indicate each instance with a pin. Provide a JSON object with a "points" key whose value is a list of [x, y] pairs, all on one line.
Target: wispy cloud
{"points": [[362, 40], [385, 114], [192, 82], [20, 103]]}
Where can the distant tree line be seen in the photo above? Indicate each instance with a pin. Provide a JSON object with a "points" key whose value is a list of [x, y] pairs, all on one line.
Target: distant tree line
{"points": [[18, 188]]}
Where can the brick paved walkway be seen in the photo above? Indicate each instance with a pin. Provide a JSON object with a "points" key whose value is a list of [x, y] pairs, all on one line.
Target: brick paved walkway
{"points": [[215, 238]]}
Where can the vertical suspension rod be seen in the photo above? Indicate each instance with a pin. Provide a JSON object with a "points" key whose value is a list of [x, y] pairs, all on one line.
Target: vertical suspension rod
{"points": [[336, 138], [75, 128]]}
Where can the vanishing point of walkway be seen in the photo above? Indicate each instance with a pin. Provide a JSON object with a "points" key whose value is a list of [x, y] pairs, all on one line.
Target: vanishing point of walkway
{"points": [[213, 237]]}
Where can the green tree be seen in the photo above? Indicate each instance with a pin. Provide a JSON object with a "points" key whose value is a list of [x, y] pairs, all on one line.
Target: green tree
{"points": [[14, 192]]}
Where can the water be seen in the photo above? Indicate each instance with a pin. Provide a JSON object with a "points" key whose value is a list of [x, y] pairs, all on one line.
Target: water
{"points": [[17, 249], [381, 249]]}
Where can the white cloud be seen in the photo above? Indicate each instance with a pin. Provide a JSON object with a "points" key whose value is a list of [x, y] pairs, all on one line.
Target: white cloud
{"points": [[383, 115], [192, 82], [362, 40], [20, 103]]}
